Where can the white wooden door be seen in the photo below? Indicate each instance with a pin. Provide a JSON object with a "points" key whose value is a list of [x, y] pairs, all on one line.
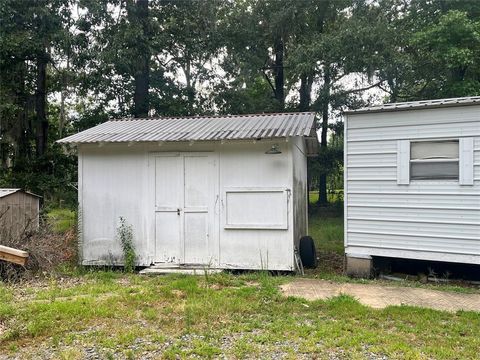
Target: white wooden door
{"points": [[168, 197], [185, 209]]}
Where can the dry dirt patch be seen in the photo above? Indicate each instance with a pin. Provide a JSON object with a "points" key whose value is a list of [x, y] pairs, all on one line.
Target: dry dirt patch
{"points": [[382, 296]]}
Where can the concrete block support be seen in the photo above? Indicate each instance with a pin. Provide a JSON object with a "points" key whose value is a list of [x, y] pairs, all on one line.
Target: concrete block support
{"points": [[358, 265]]}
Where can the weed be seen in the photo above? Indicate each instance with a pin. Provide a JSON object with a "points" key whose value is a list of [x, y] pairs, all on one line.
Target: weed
{"points": [[125, 235]]}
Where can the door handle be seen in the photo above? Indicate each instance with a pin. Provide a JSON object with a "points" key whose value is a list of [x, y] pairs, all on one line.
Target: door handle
{"points": [[178, 211]]}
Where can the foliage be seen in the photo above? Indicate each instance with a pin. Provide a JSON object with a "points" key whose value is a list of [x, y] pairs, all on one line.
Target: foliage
{"points": [[125, 236], [61, 220], [66, 65]]}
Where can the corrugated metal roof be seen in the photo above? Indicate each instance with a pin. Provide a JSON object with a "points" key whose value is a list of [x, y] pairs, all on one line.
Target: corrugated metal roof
{"points": [[5, 192], [199, 128], [471, 100]]}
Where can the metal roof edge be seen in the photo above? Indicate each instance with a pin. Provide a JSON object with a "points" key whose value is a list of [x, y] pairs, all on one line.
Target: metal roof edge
{"points": [[417, 105], [214, 116], [248, 126]]}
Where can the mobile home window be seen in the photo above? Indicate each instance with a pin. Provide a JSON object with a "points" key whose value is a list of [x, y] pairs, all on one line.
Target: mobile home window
{"points": [[434, 160]]}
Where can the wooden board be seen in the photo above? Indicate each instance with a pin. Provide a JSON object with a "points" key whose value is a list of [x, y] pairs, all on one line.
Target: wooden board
{"points": [[13, 255]]}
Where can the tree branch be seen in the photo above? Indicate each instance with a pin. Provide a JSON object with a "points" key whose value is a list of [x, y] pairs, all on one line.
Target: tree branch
{"points": [[268, 79], [361, 89]]}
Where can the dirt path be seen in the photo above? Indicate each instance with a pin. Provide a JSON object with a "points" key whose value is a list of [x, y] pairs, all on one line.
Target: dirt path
{"points": [[382, 296]]}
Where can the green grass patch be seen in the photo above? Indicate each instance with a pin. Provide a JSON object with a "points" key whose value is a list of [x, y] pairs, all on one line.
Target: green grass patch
{"points": [[61, 220], [327, 233], [120, 315]]}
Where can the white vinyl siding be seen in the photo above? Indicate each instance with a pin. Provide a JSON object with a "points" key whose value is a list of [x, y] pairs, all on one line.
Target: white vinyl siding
{"points": [[387, 213]]}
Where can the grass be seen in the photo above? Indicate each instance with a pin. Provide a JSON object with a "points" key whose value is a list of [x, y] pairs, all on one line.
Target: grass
{"points": [[327, 233], [61, 220], [172, 317], [113, 315]]}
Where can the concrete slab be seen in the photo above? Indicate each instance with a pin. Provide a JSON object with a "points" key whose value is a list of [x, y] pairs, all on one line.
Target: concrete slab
{"points": [[378, 297], [163, 269]]}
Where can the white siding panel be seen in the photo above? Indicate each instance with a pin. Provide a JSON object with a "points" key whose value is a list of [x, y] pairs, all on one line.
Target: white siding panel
{"points": [[388, 159], [415, 132], [437, 217], [439, 214], [375, 146], [415, 187], [371, 173], [418, 227], [412, 241], [414, 200]]}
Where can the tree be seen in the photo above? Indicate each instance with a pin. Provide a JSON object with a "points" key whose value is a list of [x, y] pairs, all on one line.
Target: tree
{"points": [[430, 49], [339, 42], [139, 20]]}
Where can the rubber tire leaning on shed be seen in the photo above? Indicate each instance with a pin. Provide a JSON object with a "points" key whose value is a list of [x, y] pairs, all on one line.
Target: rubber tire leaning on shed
{"points": [[308, 253]]}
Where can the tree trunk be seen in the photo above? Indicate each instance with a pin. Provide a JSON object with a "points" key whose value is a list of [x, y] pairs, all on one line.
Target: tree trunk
{"points": [[190, 88], [322, 187], [21, 129], [142, 64], [305, 92], [63, 96], [40, 105], [278, 73], [393, 89]]}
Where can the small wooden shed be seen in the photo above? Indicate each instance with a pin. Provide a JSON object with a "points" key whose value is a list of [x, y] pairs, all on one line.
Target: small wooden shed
{"points": [[216, 191], [19, 212], [412, 182]]}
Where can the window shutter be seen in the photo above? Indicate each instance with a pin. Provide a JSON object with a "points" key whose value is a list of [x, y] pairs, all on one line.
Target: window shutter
{"points": [[466, 161], [403, 162]]}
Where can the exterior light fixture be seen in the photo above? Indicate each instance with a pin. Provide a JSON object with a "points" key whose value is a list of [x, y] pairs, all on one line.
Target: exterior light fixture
{"points": [[273, 150]]}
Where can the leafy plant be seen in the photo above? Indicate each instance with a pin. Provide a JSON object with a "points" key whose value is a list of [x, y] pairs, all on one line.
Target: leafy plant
{"points": [[125, 235]]}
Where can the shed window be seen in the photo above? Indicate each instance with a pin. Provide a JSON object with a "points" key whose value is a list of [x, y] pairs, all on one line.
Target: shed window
{"points": [[434, 160]]}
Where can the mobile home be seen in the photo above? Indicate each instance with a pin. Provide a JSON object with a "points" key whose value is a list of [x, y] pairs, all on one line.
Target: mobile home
{"points": [[412, 182], [216, 191]]}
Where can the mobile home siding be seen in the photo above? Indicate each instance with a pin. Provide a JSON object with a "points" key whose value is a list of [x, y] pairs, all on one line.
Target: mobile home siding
{"points": [[388, 216]]}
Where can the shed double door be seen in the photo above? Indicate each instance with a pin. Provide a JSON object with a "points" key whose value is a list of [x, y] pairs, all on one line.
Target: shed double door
{"points": [[185, 188]]}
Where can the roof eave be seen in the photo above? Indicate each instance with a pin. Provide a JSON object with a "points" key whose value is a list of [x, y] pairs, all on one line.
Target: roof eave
{"points": [[410, 108]]}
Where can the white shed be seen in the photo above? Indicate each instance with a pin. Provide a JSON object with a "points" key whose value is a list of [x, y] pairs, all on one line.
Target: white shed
{"points": [[412, 182], [216, 191]]}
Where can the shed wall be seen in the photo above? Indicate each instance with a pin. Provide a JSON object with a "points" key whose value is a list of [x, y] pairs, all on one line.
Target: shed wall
{"points": [[114, 181], [19, 212], [432, 220], [300, 197]]}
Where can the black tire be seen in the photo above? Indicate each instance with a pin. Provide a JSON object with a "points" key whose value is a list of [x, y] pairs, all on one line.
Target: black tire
{"points": [[308, 253]]}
